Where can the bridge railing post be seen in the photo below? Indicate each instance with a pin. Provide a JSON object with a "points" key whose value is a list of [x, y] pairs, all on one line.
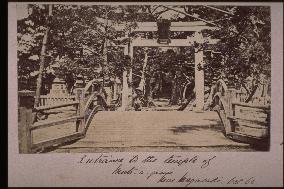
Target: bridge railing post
{"points": [[24, 131], [25, 119], [80, 96], [230, 109]]}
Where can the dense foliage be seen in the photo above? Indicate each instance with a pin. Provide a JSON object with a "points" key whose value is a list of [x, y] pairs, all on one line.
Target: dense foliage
{"points": [[81, 41]]}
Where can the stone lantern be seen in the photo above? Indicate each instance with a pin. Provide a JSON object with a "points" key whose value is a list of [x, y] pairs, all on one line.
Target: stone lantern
{"points": [[58, 87], [79, 88], [79, 81]]}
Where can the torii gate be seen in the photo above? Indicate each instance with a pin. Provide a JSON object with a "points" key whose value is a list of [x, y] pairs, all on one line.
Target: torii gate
{"points": [[196, 39]]}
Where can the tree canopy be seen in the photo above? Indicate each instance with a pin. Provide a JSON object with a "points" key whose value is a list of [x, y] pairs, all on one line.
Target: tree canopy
{"points": [[81, 37]]}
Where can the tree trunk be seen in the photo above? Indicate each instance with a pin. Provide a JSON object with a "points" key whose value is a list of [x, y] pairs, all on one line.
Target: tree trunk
{"points": [[152, 85], [187, 101], [179, 90], [151, 92], [174, 96], [130, 79], [209, 100], [184, 90], [42, 60], [251, 93], [105, 49], [142, 82], [245, 87], [104, 63]]}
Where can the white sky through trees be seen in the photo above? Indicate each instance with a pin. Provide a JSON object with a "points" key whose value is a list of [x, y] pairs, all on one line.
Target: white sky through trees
{"points": [[22, 11]]}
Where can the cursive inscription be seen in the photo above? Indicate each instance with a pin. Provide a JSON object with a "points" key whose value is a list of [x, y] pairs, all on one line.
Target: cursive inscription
{"points": [[189, 180], [179, 160], [120, 171], [101, 159], [175, 170], [237, 181]]}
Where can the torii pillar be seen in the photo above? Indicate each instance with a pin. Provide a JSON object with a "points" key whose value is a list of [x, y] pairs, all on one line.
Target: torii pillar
{"points": [[199, 70], [127, 82]]}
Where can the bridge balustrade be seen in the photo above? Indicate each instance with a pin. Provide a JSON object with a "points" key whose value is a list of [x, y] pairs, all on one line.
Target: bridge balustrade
{"points": [[244, 121], [86, 106]]}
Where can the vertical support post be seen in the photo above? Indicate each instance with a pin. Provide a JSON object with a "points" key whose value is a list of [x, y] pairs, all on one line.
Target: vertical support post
{"points": [[230, 96], [233, 109], [79, 95], [80, 110], [24, 131], [199, 71], [230, 109], [142, 81]]}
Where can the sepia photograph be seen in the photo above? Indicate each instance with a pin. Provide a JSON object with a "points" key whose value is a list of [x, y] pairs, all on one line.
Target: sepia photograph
{"points": [[143, 78]]}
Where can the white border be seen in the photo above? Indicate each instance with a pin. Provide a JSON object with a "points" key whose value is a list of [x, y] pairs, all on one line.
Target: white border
{"points": [[62, 169]]}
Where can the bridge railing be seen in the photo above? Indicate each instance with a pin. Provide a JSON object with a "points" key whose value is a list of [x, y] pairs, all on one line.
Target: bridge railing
{"points": [[58, 140], [88, 101], [45, 100], [85, 107], [241, 119], [242, 96]]}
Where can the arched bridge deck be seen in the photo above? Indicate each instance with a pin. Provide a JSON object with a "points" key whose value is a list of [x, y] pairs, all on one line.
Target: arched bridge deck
{"points": [[152, 129]]}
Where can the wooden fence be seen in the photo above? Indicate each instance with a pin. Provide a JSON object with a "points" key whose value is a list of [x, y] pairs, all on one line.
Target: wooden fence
{"points": [[46, 100], [242, 96]]}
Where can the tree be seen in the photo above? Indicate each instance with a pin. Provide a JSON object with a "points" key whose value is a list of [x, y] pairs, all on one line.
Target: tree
{"points": [[42, 57], [30, 34], [246, 47], [82, 40]]}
